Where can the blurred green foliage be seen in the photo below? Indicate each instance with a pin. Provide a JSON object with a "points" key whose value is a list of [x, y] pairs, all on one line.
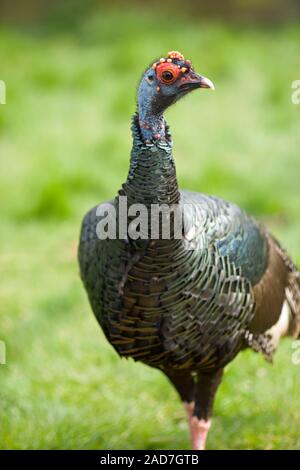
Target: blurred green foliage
{"points": [[64, 146], [67, 13]]}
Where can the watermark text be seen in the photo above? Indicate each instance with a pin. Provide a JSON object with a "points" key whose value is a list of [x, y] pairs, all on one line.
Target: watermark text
{"points": [[296, 92], [296, 353], [2, 353], [2, 92]]}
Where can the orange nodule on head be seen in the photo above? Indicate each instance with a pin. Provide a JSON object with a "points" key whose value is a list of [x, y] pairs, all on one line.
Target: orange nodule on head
{"points": [[175, 55], [172, 56]]}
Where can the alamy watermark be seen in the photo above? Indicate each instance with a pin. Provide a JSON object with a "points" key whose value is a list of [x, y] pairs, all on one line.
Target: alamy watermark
{"points": [[296, 353], [2, 92], [2, 353], [141, 222], [296, 93]]}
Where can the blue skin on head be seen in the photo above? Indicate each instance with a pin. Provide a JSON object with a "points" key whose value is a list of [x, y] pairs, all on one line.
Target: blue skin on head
{"points": [[155, 96], [152, 103]]}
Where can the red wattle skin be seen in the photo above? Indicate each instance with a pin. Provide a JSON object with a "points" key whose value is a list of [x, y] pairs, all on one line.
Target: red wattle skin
{"points": [[183, 74]]}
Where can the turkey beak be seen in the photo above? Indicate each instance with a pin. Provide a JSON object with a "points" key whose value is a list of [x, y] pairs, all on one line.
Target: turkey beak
{"points": [[206, 83], [193, 80]]}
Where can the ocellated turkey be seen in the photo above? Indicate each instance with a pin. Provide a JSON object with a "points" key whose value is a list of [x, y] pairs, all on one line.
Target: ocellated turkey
{"points": [[187, 305]]}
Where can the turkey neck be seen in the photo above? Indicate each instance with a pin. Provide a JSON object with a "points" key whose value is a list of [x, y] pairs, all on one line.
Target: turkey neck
{"points": [[152, 174]]}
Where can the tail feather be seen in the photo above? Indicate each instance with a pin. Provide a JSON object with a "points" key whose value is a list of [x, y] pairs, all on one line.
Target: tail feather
{"points": [[293, 299], [288, 320], [292, 292]]}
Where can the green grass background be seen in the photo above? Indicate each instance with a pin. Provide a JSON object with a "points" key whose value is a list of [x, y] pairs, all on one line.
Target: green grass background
{"points": [[64, 146]]}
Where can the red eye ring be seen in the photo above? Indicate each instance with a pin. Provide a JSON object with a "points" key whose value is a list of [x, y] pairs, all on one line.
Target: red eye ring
{"points": [[167, 73]]}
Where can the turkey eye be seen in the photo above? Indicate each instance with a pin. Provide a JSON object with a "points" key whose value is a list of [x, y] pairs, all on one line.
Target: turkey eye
{"points": [[167, 76]]}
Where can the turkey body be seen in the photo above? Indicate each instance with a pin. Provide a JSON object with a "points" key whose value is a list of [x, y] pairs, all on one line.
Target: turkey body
{"points": [[189, 303], [185, 305]]}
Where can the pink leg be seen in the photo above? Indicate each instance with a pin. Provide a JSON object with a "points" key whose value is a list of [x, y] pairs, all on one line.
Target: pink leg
{"points": [[199, 430], [198, 427]]}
